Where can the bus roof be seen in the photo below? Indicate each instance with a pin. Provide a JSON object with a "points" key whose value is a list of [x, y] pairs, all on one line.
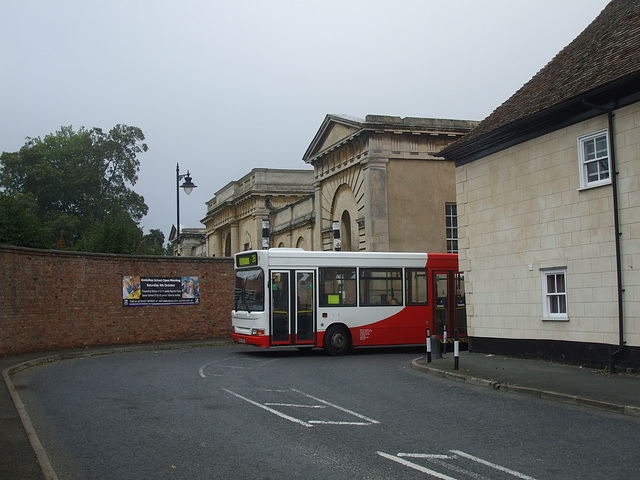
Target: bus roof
{"points": [[302, 258]]}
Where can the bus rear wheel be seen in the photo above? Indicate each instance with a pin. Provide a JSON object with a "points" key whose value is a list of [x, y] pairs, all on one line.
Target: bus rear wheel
{"points": [[337, 340]]}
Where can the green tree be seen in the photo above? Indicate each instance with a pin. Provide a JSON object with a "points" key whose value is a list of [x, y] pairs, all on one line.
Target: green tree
{"points": [[117, 160], [153, 243], [79, 180], [19, 223], [117, 232]]}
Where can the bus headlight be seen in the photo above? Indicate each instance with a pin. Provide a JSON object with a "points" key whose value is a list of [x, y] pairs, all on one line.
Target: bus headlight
{"points": [[257, 331]]}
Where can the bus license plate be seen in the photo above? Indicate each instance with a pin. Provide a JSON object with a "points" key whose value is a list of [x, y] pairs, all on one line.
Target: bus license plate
{"points": [[241, 340]]}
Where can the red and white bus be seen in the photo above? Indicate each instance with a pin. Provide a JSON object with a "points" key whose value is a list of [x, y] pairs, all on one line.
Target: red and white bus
{"points": [[288, 297]]}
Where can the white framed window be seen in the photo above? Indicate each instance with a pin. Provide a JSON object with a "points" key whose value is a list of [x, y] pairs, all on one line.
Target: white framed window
{"points": [[451, 216], [593, 152], [554, 292]]}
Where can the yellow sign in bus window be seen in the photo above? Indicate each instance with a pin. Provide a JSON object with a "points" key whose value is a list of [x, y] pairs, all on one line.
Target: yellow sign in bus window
{"points": [[333, 299]]}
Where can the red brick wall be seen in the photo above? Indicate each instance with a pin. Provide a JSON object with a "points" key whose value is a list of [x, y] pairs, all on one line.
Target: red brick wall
{"points": [[53, 300]]}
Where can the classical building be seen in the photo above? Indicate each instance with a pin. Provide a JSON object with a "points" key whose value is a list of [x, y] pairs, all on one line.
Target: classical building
{"points": [[379, 179], [192, 242], [233, 222], [549, 205]]}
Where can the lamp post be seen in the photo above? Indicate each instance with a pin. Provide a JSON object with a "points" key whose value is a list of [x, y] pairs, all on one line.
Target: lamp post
{"points": [[188, 187]]}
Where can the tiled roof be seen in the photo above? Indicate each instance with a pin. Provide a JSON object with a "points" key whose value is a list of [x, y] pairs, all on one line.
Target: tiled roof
{"points": [[605, 52]]}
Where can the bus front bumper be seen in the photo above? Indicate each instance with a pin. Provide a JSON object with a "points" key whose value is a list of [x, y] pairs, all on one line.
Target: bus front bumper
{"points": [[257, 340]]}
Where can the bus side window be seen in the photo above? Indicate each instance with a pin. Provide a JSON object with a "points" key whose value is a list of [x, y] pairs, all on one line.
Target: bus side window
{"points": [[337, 287], [417, 288], [380, 286]]}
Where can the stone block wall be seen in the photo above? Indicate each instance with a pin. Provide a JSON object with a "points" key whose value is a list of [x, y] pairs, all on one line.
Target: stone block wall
{"points": [[522, 210]]}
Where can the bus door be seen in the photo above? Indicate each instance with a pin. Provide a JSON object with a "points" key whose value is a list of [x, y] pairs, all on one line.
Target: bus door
{"points": [[292, 307], [305, 308], [449, 311]]}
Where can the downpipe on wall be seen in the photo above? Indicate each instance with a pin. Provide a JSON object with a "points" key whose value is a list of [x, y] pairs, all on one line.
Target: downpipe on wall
{"points": [[614, 183]]}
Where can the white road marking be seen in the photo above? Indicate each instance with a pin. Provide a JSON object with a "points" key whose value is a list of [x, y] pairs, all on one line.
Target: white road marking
{"points": [[293, 405], [201, 369], [465, 473], [492, 465], [270, 410], [350, 412], [267, 406], [415, 466], [323, 422], [267, 362], [424, 455], [440, 460]]}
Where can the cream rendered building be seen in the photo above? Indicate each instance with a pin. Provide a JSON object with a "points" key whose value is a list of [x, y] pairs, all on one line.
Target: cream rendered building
{"points": [[548, 194], [379, 178]]}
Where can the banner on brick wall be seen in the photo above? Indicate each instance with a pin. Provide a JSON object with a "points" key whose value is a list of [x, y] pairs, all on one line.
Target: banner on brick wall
{"points": [[141, 291]]}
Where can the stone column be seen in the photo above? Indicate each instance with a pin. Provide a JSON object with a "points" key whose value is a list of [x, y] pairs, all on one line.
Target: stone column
{"points": [[316, 235], [235, 247], [216, 250], [376, 208]]}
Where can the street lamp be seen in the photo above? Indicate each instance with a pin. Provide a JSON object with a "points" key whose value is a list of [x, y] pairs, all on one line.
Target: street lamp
{"points": [[188, 187]]}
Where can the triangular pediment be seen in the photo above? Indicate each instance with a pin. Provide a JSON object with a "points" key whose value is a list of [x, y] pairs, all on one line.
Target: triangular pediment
{"points": [[334, 129], [173, 234]]}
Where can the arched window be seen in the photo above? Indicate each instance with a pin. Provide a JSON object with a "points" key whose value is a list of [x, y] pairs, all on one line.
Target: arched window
{"points": [[345, 231], [227, 245], [344, 209]]}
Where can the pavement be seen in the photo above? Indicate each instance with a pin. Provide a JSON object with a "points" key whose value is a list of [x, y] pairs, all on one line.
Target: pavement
{"points": [[587, 387], [22, 457]]}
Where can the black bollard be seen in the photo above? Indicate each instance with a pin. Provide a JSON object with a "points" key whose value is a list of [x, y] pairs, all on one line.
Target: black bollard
{"points": [[428, 357]]}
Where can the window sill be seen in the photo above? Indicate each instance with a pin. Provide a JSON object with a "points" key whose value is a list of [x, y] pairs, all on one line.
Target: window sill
{"points": [[555, 319], [594, 185]]}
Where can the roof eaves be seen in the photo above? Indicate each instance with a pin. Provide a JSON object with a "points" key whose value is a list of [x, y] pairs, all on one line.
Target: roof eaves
{"points": [[588, 105]]}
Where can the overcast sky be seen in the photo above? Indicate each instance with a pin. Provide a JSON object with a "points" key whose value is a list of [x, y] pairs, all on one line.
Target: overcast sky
{"points": [[226, 86]]}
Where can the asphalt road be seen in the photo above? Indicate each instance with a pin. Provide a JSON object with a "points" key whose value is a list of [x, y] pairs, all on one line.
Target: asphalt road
{"points": [[241, 412]]}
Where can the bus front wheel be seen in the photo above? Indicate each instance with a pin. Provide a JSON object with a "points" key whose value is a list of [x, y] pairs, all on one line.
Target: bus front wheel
{"points": [[337, 340]]}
